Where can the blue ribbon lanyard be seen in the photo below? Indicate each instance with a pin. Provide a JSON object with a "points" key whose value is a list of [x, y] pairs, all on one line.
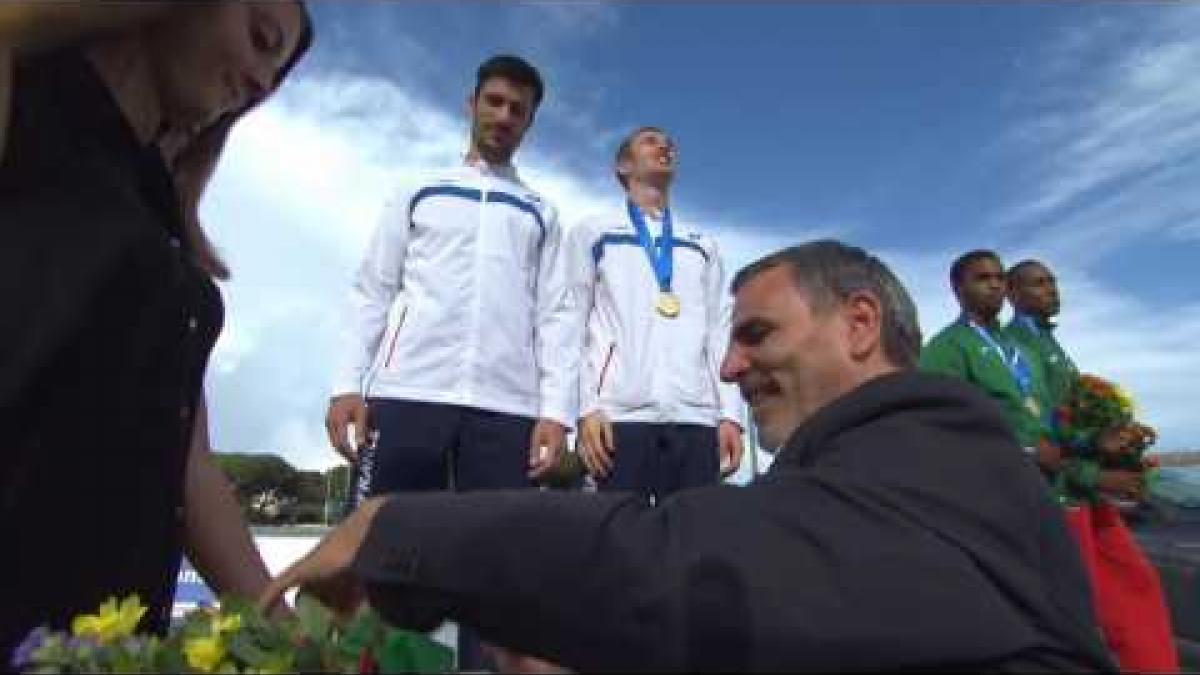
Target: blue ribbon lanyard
{"points": [[1030, 323], [660, 256], [1016, 365]]}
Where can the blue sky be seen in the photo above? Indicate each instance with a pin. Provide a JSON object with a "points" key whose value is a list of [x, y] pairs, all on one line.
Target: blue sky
{"points": [[1064, 131]]}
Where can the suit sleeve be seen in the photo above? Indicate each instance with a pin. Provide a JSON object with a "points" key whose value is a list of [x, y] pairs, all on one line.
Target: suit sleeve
{"points": [[772, 577], [534, 571], [377, 282]]}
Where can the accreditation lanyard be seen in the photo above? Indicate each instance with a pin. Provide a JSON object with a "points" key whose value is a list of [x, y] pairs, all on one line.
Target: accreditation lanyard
{"points": [[1017, 366], [1030, 323]]}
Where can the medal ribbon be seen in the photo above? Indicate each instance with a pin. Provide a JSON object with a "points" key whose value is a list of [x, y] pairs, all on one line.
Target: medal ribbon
{"points": [[661, 261]]}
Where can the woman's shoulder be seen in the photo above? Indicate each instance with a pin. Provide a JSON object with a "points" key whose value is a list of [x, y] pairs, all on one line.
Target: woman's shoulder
{"points": [[63, 120]]}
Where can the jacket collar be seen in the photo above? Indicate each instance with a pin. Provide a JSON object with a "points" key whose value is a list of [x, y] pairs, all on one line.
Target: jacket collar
{"points": [[887, 396], [505, 171], [964, 320], [1021, 318]]}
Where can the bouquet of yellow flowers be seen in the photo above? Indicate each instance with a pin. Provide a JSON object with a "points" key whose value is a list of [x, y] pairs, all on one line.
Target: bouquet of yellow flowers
{"points": [[1098, 407], [236, 638]]}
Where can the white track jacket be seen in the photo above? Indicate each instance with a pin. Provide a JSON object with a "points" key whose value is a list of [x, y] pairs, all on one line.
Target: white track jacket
{"points": [[638, 366], [460, 299]]}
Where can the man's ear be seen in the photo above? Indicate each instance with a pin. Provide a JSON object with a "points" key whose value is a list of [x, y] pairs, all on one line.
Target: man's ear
{"points": [[958, 296], [471, 107], [863, 316], [624, 168]]}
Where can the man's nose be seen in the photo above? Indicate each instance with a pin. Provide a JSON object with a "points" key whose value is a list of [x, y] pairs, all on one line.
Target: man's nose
{"points": [[259, 78], [257, 81], [733, 366]]}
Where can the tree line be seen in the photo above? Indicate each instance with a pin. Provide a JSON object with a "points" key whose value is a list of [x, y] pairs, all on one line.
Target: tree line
{"points": [[273, 492]]}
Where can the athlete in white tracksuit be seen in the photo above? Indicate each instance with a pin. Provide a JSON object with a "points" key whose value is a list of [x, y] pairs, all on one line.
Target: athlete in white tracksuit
{"points": [[655, 416], [457, 318], [457, 314]]}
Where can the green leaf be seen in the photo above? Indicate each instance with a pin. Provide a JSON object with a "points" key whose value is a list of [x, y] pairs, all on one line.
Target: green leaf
{"points": [[307, 657], [407, 652], [246, 649], [363, 632], [431, 657], [170, 659], [315, 620]]}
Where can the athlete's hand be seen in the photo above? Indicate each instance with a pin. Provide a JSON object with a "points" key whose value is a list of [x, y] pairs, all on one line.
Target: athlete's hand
{"points": [[546, 445], [596, 446], [344, 411], [729, 440]]}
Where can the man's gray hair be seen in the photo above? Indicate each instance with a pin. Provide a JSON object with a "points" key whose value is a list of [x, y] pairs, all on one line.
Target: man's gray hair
{"points": [[829, 271]]}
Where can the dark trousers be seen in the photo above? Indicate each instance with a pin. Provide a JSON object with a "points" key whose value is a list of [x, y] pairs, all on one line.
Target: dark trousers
{"points": [[661, 459], [434, 446]]}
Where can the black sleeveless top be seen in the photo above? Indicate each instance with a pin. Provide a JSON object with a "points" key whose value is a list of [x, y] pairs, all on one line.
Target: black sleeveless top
{"points": [[106, 325]]}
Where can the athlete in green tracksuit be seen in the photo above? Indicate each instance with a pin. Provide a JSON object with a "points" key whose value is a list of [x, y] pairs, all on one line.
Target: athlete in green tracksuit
{"points": [[1127, 592], [977, 349], [1033, 293]]}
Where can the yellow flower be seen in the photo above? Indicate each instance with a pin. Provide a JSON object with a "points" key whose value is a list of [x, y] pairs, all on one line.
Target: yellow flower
{"points": [[226, 624], [204, 653], [112, 621], [1124, 400]]}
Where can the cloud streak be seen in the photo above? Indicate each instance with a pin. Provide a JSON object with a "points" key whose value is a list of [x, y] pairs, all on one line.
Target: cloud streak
{"points": [[1112, 139]]}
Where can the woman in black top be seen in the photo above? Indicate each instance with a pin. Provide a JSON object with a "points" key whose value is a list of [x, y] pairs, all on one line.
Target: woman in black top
{"points": [[108, 320]]}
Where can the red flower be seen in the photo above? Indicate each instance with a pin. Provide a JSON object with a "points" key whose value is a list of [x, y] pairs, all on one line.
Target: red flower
{"points": [[367, 663]]}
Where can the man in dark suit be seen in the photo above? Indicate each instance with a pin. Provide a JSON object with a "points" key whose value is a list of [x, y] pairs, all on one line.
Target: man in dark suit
{"points": [[899, 527]]}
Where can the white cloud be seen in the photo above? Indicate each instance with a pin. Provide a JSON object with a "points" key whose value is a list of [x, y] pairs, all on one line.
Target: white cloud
{"points": [[302, 441], [568, 20]]}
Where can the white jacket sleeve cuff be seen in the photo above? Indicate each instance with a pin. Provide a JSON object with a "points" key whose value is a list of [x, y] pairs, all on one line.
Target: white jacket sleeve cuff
{"points": [[347, 383], [559, 413]]}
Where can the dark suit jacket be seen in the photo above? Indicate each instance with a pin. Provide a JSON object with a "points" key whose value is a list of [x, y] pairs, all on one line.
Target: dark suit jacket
{"points": [[900, 528]]}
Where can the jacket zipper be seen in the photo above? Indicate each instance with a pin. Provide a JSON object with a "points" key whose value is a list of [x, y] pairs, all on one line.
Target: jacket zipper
{"points": [[612, 346], [395, 334]]}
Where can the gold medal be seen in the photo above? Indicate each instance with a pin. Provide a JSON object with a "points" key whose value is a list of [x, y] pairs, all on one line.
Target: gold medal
{"points": [[668, 305]]}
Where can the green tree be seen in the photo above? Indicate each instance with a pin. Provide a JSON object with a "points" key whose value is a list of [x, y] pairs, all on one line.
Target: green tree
{"points": [[256, 475]]}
